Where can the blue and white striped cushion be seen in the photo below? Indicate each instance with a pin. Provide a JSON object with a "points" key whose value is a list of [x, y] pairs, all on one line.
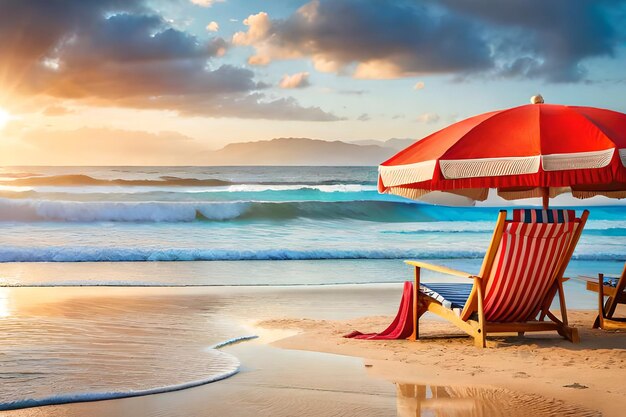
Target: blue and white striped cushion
{"points": [[450, 295]]}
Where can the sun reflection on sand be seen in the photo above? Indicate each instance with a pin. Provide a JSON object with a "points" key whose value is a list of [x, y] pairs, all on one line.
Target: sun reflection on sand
{"points": [[5, 311], [458, 401]]}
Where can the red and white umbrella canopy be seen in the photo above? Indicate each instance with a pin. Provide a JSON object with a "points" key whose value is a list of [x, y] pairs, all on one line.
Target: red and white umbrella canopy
{"points": [[527, 151]]}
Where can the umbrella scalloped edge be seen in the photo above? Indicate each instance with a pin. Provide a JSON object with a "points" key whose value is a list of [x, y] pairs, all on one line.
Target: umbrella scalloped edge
{"points": [[582, 160], [405, 174], [488, 167]]}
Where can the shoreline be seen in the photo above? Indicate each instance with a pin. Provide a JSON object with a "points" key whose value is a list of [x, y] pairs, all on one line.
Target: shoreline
{"points": [[293, 319]]}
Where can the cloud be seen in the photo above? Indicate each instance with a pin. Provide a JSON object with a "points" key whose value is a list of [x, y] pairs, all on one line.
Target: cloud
{"points": [[347, 92], [259, 26], [56, 110], [414, 40], [428, 118], [213, 26], [297, 80], [418, 85], [352, 92], [250, 106], [122, 53], [551, 40], [401, 38], [206, 3], [364, 117]]}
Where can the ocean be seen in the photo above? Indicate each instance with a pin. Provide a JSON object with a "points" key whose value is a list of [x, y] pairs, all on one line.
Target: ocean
{"points": [[242, 214], [219, 227]]}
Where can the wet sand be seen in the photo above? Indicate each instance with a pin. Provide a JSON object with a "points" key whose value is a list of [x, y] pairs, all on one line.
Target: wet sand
{"points": [[587, 375], [282, 372]]}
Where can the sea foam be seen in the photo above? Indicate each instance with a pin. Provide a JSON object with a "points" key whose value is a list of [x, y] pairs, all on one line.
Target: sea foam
{"points": [[111, 395], [113, 254], [27, 210]]}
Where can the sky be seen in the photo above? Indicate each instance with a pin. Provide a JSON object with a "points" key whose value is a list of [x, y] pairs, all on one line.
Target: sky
{"points": [[170, 79]]}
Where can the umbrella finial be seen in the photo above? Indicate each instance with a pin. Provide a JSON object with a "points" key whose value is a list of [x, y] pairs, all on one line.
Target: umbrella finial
{"points": [[538, 99]]}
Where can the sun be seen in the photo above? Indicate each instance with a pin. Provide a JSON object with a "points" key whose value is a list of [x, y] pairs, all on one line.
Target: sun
{"points": [[4, 118]]}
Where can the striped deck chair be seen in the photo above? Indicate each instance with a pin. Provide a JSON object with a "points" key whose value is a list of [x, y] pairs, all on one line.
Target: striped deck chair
{"points": [[521, 274]]}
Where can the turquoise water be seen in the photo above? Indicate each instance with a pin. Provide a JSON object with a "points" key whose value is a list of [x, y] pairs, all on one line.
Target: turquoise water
{"points": [[187, 226], [245, 214], [206, 226]]}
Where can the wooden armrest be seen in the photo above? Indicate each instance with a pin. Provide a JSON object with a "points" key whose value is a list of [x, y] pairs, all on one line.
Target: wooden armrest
{"points": [[606, 289], [442, 269]]}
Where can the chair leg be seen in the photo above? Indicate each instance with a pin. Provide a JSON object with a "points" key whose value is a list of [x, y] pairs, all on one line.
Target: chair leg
{"points": [[480, 339], [570, 333], [596, 323], [416, 305], [416, 328], [599, 321], [562, 302], [566, 331]]}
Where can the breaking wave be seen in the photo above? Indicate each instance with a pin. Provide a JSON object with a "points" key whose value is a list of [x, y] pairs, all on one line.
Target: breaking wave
{"points": [[75, 180], [475, 219], [113, 254], [98, 211], [10, 191], [82, 180]]}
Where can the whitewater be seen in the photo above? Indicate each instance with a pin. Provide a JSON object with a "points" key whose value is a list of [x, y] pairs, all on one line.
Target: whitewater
{"points": [[140, 214]]}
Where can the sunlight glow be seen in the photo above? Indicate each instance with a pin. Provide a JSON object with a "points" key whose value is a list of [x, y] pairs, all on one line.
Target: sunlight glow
{"points": [[4, 118], [5, 311]]}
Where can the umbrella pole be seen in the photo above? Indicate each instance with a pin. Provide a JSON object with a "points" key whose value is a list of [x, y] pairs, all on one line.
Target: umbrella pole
{"points": [[545, 195]]}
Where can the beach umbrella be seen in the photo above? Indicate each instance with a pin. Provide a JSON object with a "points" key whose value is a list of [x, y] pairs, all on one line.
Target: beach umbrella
{"points": [[535, 150]]}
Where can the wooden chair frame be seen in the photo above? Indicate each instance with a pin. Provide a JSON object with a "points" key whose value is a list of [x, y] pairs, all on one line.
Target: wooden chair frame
{"points": [[616, 295], [479, 329]]}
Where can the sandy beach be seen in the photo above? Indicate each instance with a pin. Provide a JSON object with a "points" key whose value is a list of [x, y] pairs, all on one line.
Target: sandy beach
{"points": [[301, 365], [204, 203], [582, 374]]}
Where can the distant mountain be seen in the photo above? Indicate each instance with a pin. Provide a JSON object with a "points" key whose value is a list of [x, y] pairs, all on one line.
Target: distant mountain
{"points": [[300, 151], [394, 143]]}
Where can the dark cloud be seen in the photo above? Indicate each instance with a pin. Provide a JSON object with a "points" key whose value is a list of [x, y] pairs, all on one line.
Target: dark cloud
{"points": [[139, 37], [548, 39], [30, 29], [398, 38], [386, 39], [114, 52]]}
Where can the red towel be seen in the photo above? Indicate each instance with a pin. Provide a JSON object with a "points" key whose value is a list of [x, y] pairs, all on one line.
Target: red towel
{"points": [[402, 325]]}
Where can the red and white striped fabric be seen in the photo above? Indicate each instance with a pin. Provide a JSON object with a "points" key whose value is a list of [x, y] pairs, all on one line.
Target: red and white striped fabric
{"points": [[526, 262], [523, 152]]}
